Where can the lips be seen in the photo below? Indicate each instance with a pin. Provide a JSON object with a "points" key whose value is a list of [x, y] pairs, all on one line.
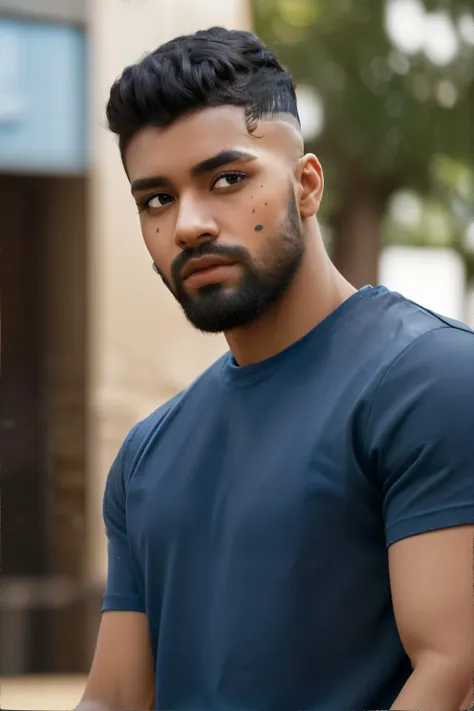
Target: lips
{"points": [[197, 265]]}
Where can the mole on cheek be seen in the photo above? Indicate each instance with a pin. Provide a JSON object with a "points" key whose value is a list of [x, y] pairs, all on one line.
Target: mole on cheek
{"points": [[253, 210], [157, 229], [258, 228]]}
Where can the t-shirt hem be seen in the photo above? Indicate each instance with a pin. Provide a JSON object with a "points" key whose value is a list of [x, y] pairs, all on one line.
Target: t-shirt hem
{"points": [[424, 523], [119, 603]]}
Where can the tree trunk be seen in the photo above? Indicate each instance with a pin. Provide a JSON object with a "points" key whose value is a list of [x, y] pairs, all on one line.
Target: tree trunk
{"points": [[357, 232]]}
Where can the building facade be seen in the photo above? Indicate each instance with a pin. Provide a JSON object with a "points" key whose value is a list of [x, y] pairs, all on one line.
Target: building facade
{"points": [[90, 339]]}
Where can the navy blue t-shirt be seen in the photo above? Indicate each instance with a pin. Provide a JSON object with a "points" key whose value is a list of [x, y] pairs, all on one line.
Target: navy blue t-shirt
{"points": [[250, 516]]}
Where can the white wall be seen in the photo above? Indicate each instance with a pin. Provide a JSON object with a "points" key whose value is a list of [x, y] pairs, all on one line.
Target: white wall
{"points": [[434, 278]]}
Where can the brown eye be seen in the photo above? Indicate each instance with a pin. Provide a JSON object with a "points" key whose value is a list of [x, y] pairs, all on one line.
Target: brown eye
{"points": [[229, 179], [159, 201]]}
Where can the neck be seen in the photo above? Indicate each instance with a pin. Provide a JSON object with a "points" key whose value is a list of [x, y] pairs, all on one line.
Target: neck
{"points": [[317, 290]]}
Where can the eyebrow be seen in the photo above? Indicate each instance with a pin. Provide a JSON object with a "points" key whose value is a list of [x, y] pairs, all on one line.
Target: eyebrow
{"points": [[205, 166]]}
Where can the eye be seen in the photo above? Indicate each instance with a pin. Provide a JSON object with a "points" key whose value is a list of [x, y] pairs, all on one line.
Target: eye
{"points": [[155, 202], [228, 180]]}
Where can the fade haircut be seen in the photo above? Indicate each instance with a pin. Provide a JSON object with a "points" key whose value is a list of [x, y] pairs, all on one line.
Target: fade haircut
{"points": [[214, 67]]}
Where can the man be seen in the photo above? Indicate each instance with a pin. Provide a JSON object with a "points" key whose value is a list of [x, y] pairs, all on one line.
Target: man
{"points": [[295, 529]]}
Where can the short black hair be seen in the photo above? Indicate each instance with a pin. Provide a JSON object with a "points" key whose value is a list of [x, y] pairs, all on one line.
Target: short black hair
{"points": [[209, 68]]}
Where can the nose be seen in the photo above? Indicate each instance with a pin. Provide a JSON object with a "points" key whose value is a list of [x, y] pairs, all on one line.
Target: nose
{"points": [[194, 224]]}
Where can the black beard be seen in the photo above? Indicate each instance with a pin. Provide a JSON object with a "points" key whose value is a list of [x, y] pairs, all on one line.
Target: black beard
{"points": [[216, 308]]}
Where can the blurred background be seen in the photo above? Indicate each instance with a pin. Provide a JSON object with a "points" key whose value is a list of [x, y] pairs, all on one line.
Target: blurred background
{"points": [[91, 341]]}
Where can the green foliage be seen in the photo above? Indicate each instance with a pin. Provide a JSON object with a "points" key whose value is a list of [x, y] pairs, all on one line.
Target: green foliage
{"points": [[383, 117]]}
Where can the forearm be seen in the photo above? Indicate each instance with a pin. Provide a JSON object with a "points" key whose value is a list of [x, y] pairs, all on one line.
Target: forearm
{"points": [[435, 686], [107, 697], [96, 705]]}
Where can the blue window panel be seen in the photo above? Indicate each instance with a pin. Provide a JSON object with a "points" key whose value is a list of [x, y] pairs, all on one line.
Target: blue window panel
{"points": [[43, 110]]}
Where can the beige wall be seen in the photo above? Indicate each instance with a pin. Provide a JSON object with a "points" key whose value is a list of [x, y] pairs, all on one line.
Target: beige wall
{"points": [[48, 693], [141, 349]]}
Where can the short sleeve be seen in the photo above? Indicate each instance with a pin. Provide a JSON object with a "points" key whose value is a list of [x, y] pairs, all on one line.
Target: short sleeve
{"points": [[421, 435], [122, 590]]}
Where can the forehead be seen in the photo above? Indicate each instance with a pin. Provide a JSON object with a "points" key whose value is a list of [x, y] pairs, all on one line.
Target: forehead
{"points": [[202, 134]]}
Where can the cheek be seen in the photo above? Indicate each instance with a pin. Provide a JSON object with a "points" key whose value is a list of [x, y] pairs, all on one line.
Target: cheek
{"points": [[160, 247], [255, 217], [268, 204], [262, 220]]}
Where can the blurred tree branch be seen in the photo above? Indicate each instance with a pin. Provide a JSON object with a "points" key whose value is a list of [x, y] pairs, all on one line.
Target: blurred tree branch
{"points": [[388, 116]]}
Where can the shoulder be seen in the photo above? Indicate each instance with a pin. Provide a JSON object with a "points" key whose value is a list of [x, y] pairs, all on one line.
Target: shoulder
{"points": [[425, 370], [441, 359], [426, 392], [408, 338], [400, 322], [146, 430], [141, 433]]}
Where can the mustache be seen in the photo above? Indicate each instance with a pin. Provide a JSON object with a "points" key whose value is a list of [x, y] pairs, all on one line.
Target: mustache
{"points": [[234, 252]]}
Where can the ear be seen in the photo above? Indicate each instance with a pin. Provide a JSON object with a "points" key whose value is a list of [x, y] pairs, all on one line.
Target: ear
{"points": [[311, 185]]}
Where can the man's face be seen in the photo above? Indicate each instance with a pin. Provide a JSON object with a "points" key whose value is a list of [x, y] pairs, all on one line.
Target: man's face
{"points": [[218, 213]]}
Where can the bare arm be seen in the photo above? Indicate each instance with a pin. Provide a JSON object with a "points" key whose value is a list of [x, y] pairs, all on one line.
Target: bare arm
{"points": [[432, 589], [122, 674]]}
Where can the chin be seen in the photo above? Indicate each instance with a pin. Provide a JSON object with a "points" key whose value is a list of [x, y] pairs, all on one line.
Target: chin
{"points": [[219, 321]]}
